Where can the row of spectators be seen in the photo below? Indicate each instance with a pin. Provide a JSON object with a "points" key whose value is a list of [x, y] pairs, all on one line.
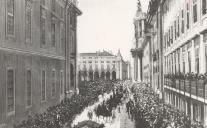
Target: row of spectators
{"points": [[64, 113], [150, 112]]}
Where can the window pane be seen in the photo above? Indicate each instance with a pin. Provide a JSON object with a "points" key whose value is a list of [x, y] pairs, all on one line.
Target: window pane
{"points": [[53, 31], [53, 82], [10, 6], [10, 90], [10, 25], [195, 13], [43, 86], [28, 20], [42, 26], [29, 88], [204, 6]]}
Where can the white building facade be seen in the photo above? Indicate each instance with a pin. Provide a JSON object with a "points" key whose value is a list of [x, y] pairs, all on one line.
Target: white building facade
{"points": [[102, 65], [185, 45]]}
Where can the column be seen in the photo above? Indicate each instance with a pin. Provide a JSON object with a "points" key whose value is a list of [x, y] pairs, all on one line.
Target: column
{"points": [[205, 115], [139, 70], [202, 62], [135, 68]]}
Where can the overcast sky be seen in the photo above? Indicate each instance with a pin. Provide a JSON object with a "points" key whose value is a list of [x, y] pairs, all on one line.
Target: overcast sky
{"points": [[107, 24]]}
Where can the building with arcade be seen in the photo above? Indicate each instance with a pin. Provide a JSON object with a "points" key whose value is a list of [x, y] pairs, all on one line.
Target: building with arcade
{"points": [[102, 65]]}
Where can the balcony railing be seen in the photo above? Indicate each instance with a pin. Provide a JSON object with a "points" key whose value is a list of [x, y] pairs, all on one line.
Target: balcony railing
{"points": [[193, 84]]}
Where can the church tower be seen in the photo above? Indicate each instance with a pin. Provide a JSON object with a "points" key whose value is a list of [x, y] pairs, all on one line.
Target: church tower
{"points": [[137, 50]]}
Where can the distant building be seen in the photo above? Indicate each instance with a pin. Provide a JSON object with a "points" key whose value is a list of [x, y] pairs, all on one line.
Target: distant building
{"points": [[102, 65], [38, 54]]}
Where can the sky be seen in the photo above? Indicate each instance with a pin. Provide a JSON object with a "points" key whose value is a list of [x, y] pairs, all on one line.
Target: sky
{"points": [[108, 25]]}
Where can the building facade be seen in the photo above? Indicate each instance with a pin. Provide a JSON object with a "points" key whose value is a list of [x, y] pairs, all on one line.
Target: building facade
{"points": [[37, 56], [179, 57], [154, 29], [104, 65], [137, 50], [184, 46]]}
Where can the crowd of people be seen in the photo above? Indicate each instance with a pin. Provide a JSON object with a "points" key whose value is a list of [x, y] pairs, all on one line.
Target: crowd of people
{"points": [[64, 113], [150, 112], [106, 108]]}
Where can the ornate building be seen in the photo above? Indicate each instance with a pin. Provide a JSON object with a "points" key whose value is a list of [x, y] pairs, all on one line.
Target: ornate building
{"points": [[137, 50], [104, 65], [37, 55]]}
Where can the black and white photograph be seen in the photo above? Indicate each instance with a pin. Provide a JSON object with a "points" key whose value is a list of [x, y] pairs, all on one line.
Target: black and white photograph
{"points": [[103, 63]]}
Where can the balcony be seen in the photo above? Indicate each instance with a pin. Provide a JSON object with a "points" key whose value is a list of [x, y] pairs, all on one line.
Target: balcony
{"points": [[194, 85]]}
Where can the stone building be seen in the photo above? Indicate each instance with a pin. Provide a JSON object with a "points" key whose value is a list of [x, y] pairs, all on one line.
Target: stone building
{"points": [[184, 47], [102, 64], [179, 36], [137, 50], [37, 56], [154, 29]]}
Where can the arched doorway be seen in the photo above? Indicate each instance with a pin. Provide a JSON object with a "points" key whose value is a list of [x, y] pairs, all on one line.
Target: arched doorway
{"points": [[113, 75], [72, 75], [96, 75], [91, 75], [103, 75], [108, 75]]}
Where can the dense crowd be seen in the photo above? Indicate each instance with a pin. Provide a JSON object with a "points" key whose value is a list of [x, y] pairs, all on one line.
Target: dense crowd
{"points": [[106, 108], [150, 112], [64, 113]]}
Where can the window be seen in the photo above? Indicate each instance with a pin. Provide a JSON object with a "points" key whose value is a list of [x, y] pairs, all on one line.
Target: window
{"points": [[175, 26], [172, 34], [178, 60], [62, 36], [53, 82], [188, 16], [204, 7], [61, 12], [102, 61], [96, 67], [53, 31], [29, 88], [73, 19], [206, 56], [42, 26], [183, 50], [43, 88], [102, 67], [189, 61], [182, 22], [197, 60], [175, 62], [10, 17], [10, 90], [53, 5], [195, 15], [140, 27], [43, 2], [178, 31], [28, 15]]}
